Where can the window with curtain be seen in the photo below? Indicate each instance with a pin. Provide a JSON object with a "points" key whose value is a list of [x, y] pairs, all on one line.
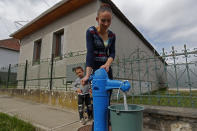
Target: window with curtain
{"points": [[58, 38], [37, 51]]}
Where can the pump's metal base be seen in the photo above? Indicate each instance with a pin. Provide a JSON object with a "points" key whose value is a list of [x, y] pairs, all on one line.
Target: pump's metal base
{"points": [[88, 128]]}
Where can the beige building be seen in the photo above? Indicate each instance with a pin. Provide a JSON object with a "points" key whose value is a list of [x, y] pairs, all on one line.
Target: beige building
{"points": [[61, 31]]}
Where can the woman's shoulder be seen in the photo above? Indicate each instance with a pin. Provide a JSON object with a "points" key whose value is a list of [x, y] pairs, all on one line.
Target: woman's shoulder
{"points": [[91, 30], [111, 34]]}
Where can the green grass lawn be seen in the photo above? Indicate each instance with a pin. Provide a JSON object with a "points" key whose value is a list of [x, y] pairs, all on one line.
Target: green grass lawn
{"points": [[164, 98], [8, 123]]}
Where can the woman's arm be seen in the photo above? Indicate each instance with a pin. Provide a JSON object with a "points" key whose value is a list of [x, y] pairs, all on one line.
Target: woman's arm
{"points": [[107, 64], [87, 76], [89, 56], [90, 49]]}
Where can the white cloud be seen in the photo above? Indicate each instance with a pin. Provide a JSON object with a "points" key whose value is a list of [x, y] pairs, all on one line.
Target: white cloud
{"points": [[20, 10], [185, 33], [163, 22]]}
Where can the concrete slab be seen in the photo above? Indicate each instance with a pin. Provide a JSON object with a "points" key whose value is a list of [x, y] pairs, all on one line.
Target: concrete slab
{"points": [[43, 116]]}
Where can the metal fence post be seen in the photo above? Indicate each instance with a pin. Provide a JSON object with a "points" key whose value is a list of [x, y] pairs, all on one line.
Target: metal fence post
{"points": [[165, 73], [188, 75], [132, 79], [139, 72], [7, 84], [118, 66], [51, 74], [156, 78], [25, 75]]}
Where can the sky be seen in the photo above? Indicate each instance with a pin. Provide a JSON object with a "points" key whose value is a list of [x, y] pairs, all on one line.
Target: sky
{"points": [[164, 23]]}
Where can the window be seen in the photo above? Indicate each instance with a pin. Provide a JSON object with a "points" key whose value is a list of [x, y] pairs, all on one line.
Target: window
{"points": [[37, 51], [58, 38]]}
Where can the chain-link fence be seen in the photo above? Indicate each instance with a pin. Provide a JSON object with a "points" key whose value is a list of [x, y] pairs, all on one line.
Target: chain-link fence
{"points": [[172, 82], [8, 76], [168, 79], [50, 74]]}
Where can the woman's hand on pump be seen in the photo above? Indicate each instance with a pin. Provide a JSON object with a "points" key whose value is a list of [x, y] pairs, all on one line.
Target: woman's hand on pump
{"points": [[107, 64], [106, 67]]}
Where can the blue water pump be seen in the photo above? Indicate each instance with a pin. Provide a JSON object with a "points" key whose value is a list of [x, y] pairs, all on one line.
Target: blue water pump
{"points": [[100, 85]]}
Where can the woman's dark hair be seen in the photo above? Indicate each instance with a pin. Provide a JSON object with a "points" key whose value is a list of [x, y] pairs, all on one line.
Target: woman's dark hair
{"points": [[104, 7]]}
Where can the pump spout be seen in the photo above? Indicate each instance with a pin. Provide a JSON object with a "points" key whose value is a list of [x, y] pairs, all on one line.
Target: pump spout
{"points": [[108, 84], [116, 84]]}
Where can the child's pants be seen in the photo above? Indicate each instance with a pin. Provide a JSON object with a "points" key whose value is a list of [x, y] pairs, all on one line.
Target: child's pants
{"points": [[81, 99]]}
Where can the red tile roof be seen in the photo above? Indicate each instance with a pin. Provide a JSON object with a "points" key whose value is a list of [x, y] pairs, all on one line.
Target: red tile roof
{"points": [[11, 44]]}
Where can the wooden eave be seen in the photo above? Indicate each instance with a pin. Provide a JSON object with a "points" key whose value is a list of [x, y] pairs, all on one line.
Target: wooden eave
{"points": [[59, 10]]}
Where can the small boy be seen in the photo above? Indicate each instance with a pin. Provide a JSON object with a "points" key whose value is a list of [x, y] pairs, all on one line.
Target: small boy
{"points": [[83, 94]]}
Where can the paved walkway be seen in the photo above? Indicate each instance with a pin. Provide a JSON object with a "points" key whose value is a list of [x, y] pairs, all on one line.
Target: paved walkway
{"points": [[45, 117]]}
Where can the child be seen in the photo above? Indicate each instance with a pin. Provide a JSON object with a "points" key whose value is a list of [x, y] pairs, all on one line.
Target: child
{"points": [[83, 95]]}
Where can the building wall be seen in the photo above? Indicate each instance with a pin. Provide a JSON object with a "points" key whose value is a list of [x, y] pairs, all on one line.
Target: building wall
{"points": [[130, 47], [75, 26], [8, 57]]}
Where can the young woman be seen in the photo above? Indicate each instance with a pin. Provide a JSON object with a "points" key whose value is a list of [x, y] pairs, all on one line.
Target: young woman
{"points": [[100, 43]]}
